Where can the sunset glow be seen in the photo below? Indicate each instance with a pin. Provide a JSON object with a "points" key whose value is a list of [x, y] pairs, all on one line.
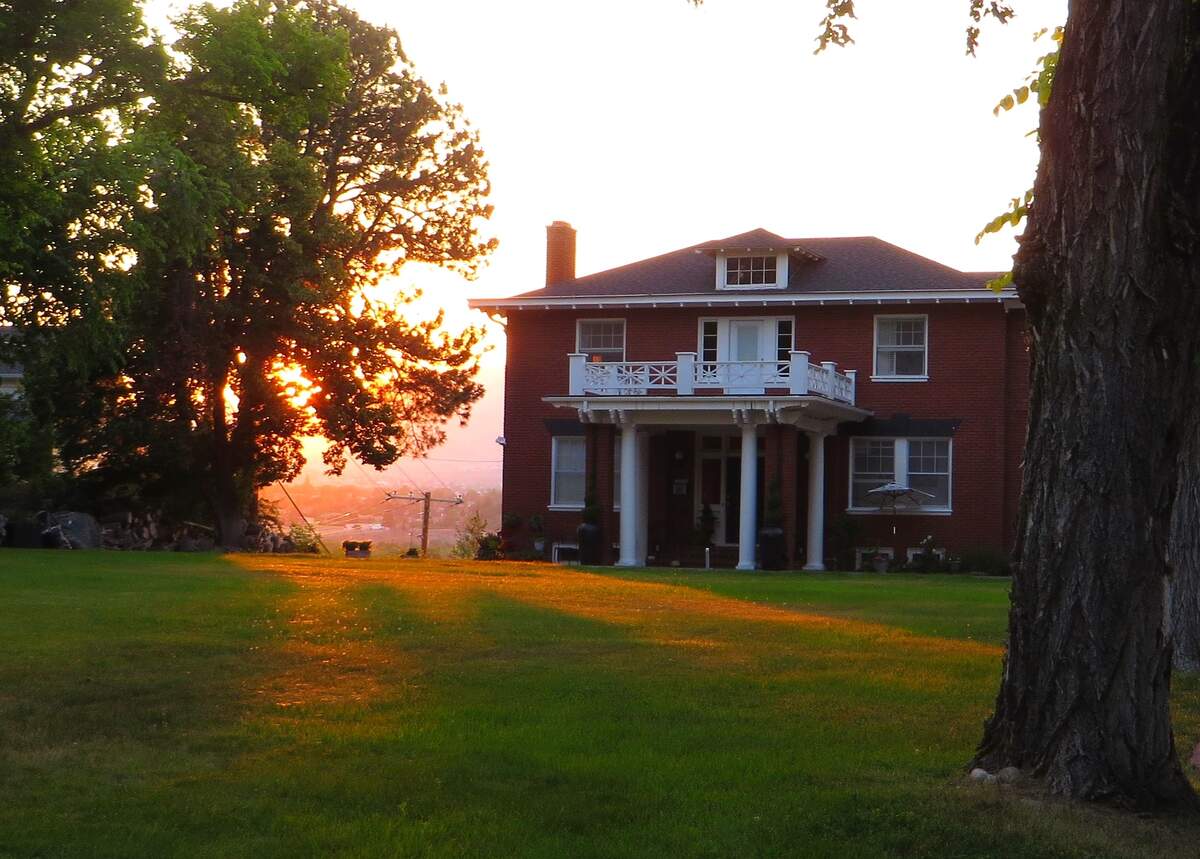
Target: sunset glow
{"points": [[655, 125]]}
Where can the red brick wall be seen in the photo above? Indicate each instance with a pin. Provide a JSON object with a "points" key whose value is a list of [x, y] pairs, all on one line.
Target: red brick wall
{"points": [[978, 374]]}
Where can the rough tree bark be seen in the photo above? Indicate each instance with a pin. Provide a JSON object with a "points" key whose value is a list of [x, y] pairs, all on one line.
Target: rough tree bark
{"points": [[1109, 270], [1185, 555]]}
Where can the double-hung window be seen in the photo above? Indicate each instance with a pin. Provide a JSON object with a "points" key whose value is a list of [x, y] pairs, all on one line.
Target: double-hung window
{"points": [[601, 339], [922, 465], [568, 471], [902, 347]]}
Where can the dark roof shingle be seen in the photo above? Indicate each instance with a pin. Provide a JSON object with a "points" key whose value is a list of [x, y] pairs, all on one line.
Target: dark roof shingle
{"points": [[839, 265]]}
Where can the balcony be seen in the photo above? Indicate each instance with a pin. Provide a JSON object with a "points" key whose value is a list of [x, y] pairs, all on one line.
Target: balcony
{"points": [[686, 377]]}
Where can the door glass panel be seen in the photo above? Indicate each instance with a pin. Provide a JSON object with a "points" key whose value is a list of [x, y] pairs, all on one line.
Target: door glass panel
{"points": [[745, 341]]}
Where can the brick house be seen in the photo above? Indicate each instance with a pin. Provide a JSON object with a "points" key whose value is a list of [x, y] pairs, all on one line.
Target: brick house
{"points": [[839, 366]]}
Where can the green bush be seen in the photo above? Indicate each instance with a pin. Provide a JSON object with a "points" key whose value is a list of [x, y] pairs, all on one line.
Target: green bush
{"points": [[989, 562], [305, 538]]}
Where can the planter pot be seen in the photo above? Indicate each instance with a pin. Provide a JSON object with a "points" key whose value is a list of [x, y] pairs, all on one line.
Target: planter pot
{"points": [[539, 544], [591, 544], [880, 563], [772, 551]]}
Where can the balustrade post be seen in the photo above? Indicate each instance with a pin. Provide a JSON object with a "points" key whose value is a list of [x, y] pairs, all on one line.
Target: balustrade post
{"points": [[852, 375], [577, 361], [798, 373], [685, 373]]}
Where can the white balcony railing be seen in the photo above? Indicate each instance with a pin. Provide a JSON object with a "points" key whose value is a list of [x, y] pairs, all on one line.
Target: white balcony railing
{"points": [[686, 376]]}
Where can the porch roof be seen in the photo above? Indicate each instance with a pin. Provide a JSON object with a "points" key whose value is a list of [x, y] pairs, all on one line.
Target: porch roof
{"points": [[812, 413]]}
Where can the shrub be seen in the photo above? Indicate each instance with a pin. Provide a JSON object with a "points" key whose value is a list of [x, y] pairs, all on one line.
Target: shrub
{"points": [[489, 548], [469, 537], [989, 562], [305, 538]]}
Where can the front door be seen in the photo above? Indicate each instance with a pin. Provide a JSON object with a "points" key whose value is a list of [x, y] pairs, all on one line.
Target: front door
{"points": [[746, 342]]}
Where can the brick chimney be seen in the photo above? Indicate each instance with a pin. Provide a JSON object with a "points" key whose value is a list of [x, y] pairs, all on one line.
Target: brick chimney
{"points": [[560, 252]]}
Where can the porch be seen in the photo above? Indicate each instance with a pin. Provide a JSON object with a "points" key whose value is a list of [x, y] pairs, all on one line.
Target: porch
{"points": [[663, 460], [686, 376]]}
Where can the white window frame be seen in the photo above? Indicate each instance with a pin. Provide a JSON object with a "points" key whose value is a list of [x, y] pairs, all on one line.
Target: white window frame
{"points": [[554, 442], [912, 551], [860, 551], [624, 332], [781, 273], [876, 376], [554, 550], [900, 475]]}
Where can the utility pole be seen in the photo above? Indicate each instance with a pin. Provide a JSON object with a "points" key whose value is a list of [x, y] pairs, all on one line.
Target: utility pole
{"points": [[425, 525], [425, 499]]}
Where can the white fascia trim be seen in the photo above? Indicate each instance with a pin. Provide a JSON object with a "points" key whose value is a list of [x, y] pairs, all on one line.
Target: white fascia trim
{"points": [[730, 298]]}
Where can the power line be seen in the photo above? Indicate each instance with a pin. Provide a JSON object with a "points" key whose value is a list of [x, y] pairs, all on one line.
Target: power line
{"points": [[302, 518]]}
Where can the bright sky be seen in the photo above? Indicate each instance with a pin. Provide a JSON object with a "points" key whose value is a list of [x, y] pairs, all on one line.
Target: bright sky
{"points": [[652, 125]]}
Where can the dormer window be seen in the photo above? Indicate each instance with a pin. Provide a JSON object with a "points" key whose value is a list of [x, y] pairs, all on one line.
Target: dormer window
{"points": [[752, 271]]}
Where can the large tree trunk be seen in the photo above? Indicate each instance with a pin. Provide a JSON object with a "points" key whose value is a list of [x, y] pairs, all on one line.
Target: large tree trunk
{"points": [[1185, 555], [1110, 273]]}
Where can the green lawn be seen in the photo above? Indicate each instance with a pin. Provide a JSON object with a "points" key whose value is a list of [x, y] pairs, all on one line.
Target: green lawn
{"points": [[168, 705]]}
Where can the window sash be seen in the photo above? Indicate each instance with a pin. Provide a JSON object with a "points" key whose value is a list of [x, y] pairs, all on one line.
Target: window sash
{"points": [[901, 346], [751, 271], [924, 464], [568, 471], [709, 340], [784, 340], [603, 338]]}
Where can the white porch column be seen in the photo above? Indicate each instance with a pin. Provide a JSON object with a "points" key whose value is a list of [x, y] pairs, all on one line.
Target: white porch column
{"points": [[815, 559], [630, 470], [747, 530], [643, 490]]}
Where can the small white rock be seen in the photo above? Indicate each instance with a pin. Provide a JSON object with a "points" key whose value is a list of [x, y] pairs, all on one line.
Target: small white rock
{"points": [[1009, 775], [980, 774]]}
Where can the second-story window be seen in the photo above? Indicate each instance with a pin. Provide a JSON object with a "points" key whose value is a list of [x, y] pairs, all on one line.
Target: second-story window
{"points": [[601, 339], [750, 271], [901, 347]]}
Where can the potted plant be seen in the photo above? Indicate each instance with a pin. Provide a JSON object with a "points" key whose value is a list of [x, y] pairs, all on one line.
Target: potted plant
{"points": [[880, 562], [537, 530], [771, 542], [589, 533]]}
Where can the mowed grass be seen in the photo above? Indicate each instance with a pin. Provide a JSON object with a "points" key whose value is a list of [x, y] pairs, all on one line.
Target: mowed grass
{"points": [[171, 705]]}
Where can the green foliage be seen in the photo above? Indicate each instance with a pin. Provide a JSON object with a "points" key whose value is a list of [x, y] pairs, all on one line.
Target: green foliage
{"points": [[591, 514], [1038, 82], [989, 562], [773, 506], [195, 275], [470, 537], [305, 538]]}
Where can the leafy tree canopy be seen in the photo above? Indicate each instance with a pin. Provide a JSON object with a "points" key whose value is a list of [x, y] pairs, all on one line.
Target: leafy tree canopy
{"points": [[211, 245]]}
